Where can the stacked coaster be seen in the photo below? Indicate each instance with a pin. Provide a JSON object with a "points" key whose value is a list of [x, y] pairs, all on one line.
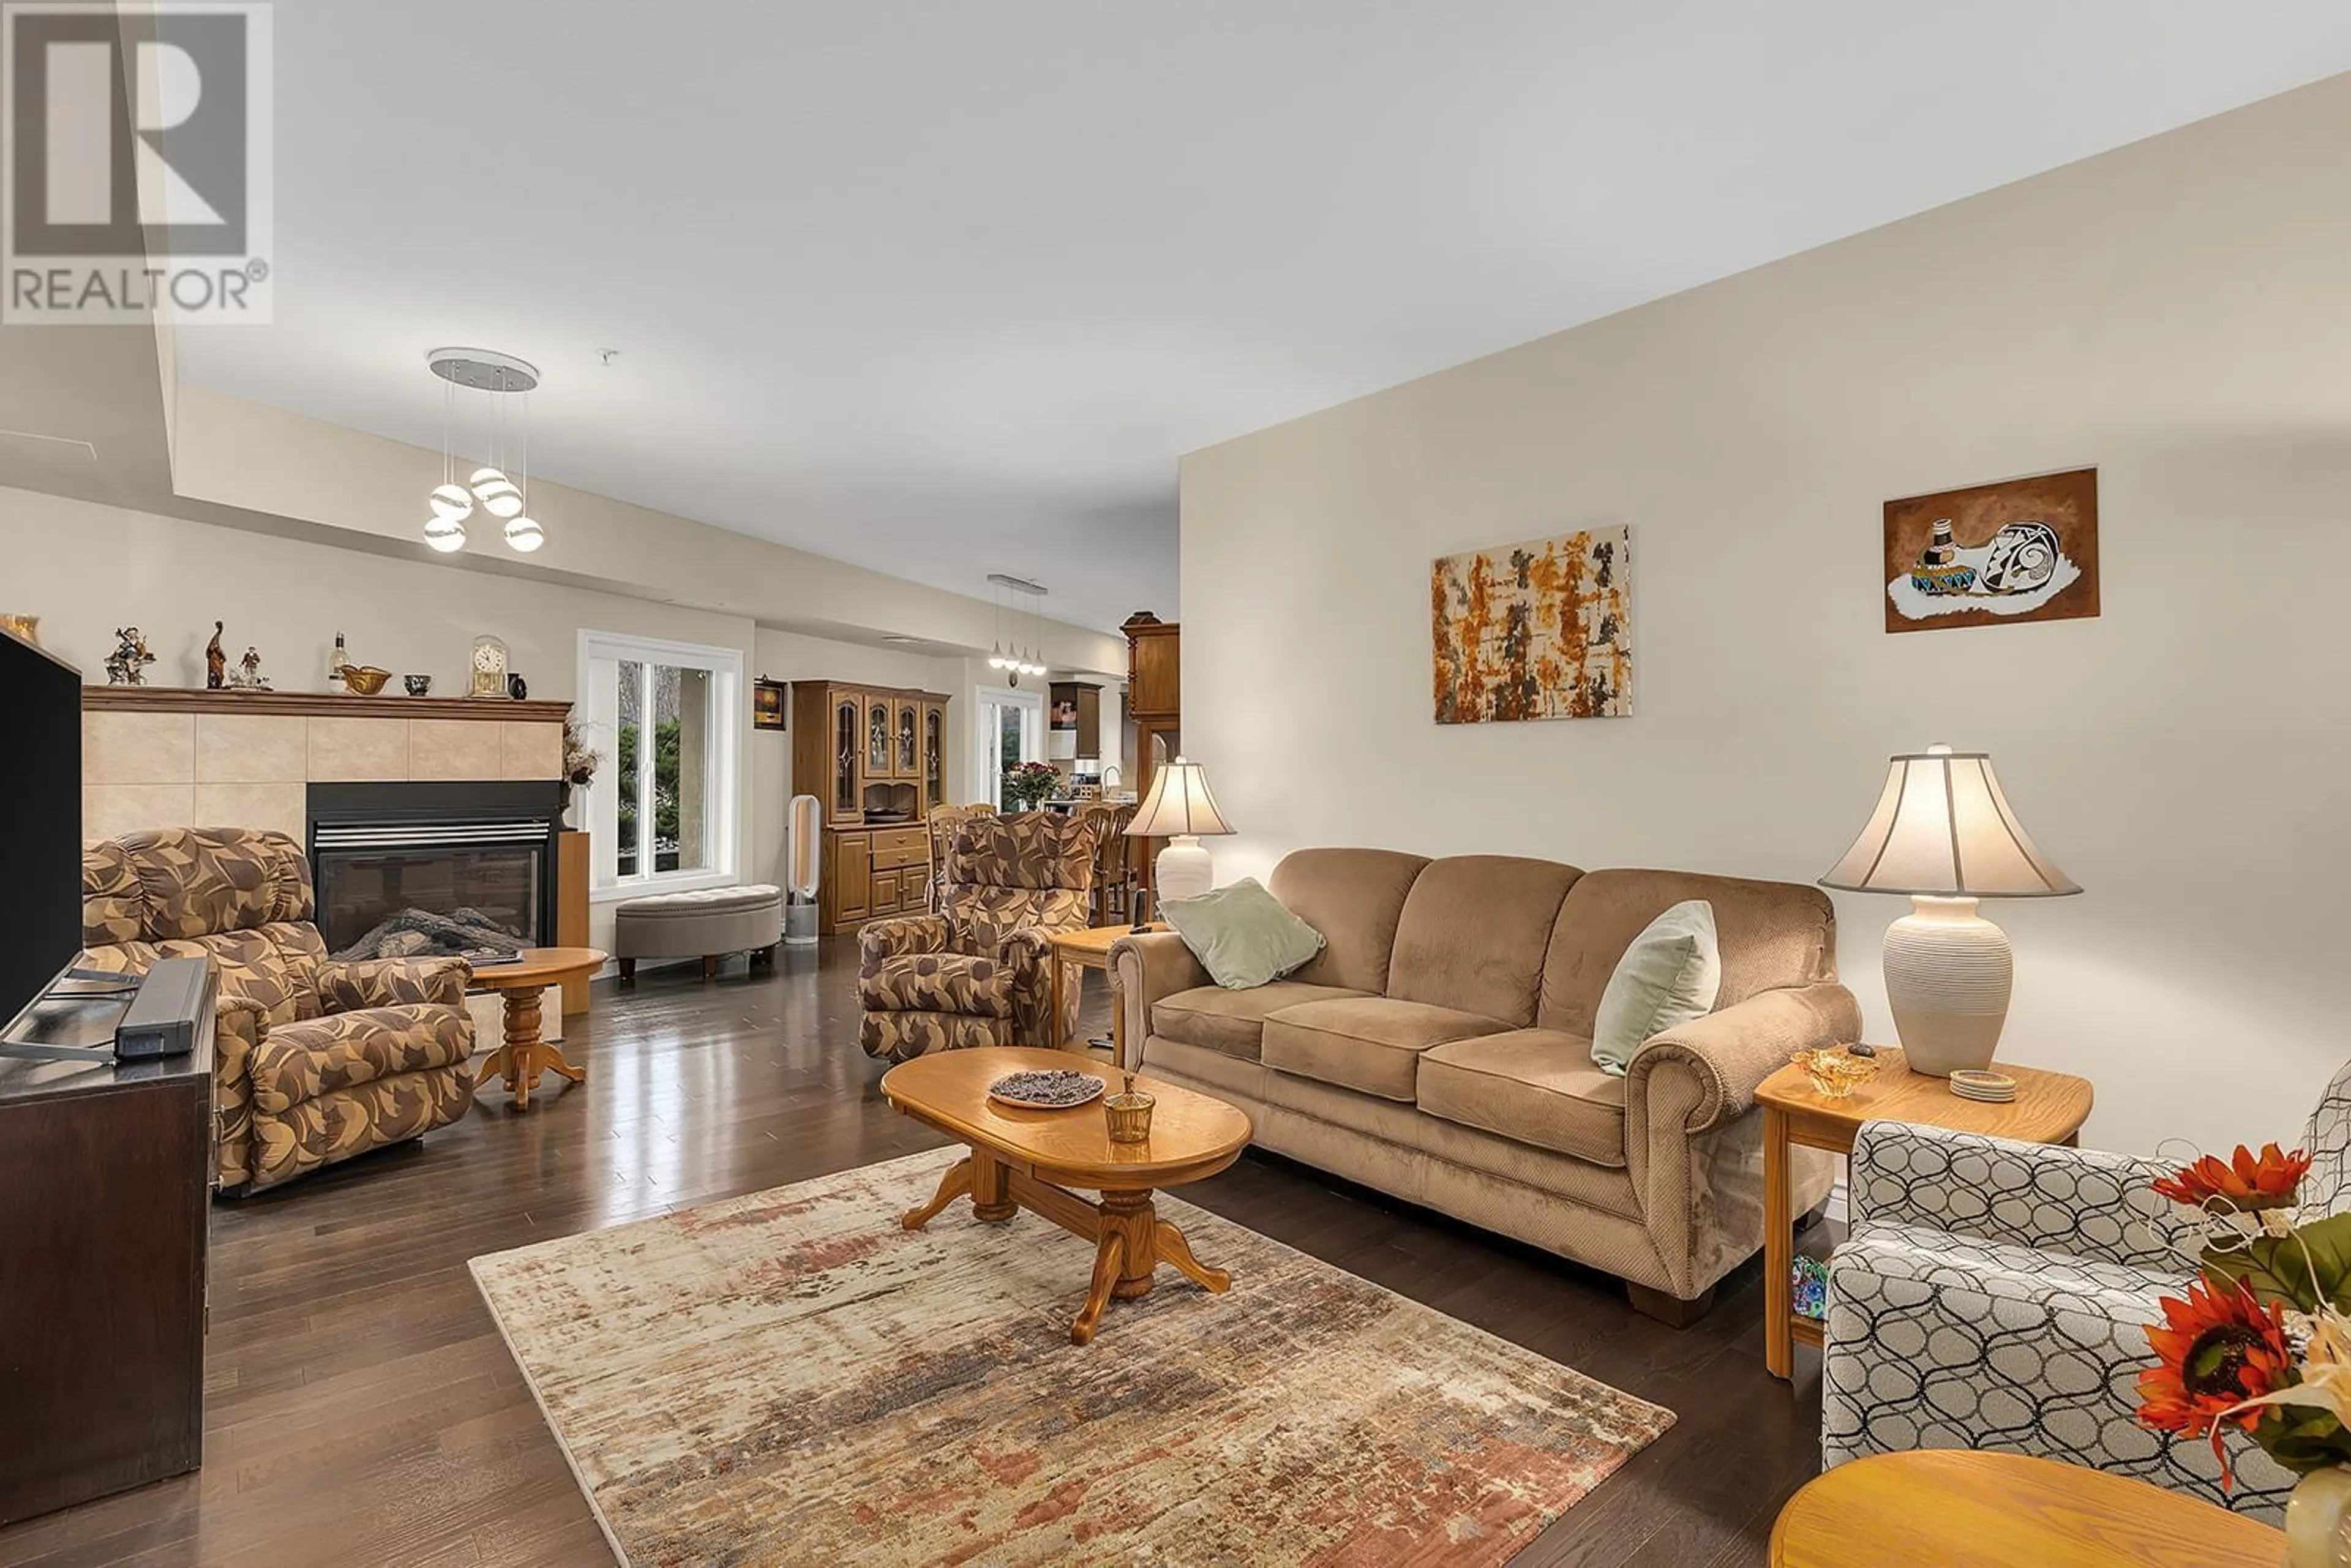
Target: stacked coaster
{"points": [[1992, 1088]]}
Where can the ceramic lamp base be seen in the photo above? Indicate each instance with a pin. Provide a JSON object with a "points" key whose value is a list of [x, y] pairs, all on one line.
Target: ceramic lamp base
{"points": [[1182, 869], [1948, 972]]}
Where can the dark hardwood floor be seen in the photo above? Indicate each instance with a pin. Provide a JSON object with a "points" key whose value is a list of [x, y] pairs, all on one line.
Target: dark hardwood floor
{"points": [[363, 1410]]}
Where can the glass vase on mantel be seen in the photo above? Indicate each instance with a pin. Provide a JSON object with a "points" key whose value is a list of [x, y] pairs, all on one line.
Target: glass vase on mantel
{"points": [[2319, 1520]]}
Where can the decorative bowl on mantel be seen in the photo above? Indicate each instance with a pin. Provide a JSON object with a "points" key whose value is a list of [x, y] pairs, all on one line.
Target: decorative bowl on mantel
{"points": [[365, 680]]}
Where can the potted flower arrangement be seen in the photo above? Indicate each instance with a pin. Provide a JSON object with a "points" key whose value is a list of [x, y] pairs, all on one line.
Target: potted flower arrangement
{"points": [[1029, 785], [2262, 1340], [579, 764]]}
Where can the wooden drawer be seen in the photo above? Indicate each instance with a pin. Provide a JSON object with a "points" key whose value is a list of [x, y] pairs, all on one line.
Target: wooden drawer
{"points": [[896, 847]]}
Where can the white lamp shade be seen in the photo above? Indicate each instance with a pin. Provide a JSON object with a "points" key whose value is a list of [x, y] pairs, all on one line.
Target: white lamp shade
{"points": [[1942, 829], [524, 534], [1178, 803]]}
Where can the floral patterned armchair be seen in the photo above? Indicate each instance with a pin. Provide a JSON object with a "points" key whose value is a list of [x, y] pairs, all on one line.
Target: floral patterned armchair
{"points": [[980, 972], [313, 1061]]}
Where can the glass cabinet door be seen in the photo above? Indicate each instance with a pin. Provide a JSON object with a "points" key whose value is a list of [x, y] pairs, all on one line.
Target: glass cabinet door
{"points": [[845, 758], [910, 763], [934, 751], [877, 740]]}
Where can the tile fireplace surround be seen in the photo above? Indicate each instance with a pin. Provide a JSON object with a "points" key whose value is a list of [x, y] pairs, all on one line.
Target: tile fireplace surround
{"points": [[159, 757]]}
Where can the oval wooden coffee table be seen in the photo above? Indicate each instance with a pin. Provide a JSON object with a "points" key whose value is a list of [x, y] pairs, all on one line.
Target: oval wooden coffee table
{"points": [[1028, 1159], [523, 1055], [1951, 1506]]}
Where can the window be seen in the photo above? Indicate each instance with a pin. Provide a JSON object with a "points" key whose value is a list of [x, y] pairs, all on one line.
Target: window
{"points": [[1011, 732], [662, 811]]}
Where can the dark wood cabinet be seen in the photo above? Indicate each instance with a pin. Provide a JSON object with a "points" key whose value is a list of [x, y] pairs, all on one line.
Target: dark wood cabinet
{"points": [[105, 1190], [1155, 694], [877, 758]]}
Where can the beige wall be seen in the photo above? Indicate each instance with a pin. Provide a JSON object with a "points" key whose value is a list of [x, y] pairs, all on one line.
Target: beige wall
{"points": [[86, 569], [2177, 313]]}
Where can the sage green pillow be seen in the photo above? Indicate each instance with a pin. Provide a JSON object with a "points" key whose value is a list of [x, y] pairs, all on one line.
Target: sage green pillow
{"points": [[1667, 977], [1241, 935]]}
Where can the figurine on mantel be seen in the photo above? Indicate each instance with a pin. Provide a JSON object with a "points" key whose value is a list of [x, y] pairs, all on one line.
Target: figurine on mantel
{"points": [[249, 677], [216, 661], [128, 667]]}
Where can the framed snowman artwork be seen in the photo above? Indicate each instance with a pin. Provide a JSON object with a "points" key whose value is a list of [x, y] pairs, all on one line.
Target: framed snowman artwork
{"points": [[1992, 555]]}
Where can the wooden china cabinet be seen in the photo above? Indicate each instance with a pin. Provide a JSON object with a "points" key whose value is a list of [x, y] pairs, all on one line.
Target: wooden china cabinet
{"points": [[1154, 698], [876, 757]]}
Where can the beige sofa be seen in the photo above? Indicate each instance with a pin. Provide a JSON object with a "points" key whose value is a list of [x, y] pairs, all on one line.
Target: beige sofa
{"points": [[1438, 1048]]}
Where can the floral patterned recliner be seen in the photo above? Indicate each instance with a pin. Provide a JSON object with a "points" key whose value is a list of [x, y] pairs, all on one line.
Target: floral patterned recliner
{"points": [[313, 1061], [980, 971]]}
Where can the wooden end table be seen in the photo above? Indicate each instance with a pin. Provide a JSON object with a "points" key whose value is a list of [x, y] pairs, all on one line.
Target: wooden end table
{"points": [[2049, 1108], [1030, 1159], [2007, 1510], [1089, 949], [523, 1055]]}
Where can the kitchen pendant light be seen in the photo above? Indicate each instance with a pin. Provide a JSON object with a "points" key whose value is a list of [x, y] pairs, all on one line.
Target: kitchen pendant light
{"points": [[499, 485], [1024, 658]]}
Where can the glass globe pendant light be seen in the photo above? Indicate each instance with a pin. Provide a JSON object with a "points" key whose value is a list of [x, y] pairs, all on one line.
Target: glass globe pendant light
{"points": [[503, 496]]}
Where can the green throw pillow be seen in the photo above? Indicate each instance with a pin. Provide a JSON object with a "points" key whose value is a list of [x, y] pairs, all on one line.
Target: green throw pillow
{"points": [[1241, 935], [1667, 977]]}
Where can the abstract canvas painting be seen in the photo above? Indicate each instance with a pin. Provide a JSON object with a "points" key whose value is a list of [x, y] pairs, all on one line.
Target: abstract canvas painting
{"points": [[1540, 630], [2022, 550]]}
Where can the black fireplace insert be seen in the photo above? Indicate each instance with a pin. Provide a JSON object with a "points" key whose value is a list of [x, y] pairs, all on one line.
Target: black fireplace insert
{"points": [[412, 869]]}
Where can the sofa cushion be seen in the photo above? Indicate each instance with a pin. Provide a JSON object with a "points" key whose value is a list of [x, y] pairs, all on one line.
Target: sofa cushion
{"points": [[1353, 897], [1530, 1085], [1769, 935], [1241, 933], [1233, 1022], [1368, 1043], [342, 1050], [1473, 934], [1667, 977]]}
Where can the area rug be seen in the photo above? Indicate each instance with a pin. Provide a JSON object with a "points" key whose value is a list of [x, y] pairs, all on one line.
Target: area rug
{"points": [[791, 1378]]}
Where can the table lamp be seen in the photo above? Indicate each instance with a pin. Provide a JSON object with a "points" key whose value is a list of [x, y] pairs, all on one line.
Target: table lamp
{"points": [[1179, 809], [1944, 834]]}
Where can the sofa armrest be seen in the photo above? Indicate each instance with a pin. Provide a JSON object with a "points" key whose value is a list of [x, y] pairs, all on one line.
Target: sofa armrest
{"points": [[389, 982], [237, 1030], [2083, 1203], [1148, 966], [903, 936], [1732, 1051]]}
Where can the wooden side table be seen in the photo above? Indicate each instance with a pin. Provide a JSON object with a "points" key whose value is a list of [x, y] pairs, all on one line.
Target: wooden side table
{"points": [[1083, 950], [2049, 1108], [2007, 1510], [523, 1056]]}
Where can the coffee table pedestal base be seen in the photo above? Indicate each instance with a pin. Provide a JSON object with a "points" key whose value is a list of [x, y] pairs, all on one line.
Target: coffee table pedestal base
{"points": [[1130, 1238]]}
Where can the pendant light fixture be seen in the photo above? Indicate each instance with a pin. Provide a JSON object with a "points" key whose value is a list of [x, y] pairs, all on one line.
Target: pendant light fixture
{"points": [[1021, 658], [493, 485]]}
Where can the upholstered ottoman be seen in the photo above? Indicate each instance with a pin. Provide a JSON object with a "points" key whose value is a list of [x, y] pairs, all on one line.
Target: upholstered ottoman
{"points": [[707, 924]]}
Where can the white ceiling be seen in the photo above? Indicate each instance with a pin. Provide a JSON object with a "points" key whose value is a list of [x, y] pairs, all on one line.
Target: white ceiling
{"points": [[948, 288]]}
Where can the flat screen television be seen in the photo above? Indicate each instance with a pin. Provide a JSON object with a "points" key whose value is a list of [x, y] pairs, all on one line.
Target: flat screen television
{"points": [[40, 822]]}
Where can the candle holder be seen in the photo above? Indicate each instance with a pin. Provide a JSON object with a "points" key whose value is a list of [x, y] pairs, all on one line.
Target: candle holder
{"points": [[1129, 1113]]}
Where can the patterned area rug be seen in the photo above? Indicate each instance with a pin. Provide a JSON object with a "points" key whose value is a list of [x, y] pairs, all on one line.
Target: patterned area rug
{"points": [[789, 1377]]}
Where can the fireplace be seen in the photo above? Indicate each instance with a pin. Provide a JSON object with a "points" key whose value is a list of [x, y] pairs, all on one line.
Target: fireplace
{"points": [[411, 869]]}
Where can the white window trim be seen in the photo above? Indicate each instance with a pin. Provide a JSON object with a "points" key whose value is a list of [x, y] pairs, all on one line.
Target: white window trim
{"points": [[985, 786], [729, 716]]}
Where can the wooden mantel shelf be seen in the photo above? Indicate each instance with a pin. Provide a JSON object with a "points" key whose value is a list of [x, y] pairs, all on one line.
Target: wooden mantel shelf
{"points": [[192, 699]]}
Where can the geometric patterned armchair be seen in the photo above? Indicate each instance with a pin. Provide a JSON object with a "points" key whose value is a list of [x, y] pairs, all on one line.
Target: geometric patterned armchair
{"points": [[313, 1061], [1995, 1295], [980, 972]]}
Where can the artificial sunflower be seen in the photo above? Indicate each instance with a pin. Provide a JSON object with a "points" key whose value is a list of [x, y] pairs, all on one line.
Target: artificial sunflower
{"points": [[2219, 1350], [2244, 1182]]}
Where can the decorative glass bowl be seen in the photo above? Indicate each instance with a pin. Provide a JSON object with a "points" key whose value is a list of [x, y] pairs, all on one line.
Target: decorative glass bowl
{"points": [[1835, 1070]]}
